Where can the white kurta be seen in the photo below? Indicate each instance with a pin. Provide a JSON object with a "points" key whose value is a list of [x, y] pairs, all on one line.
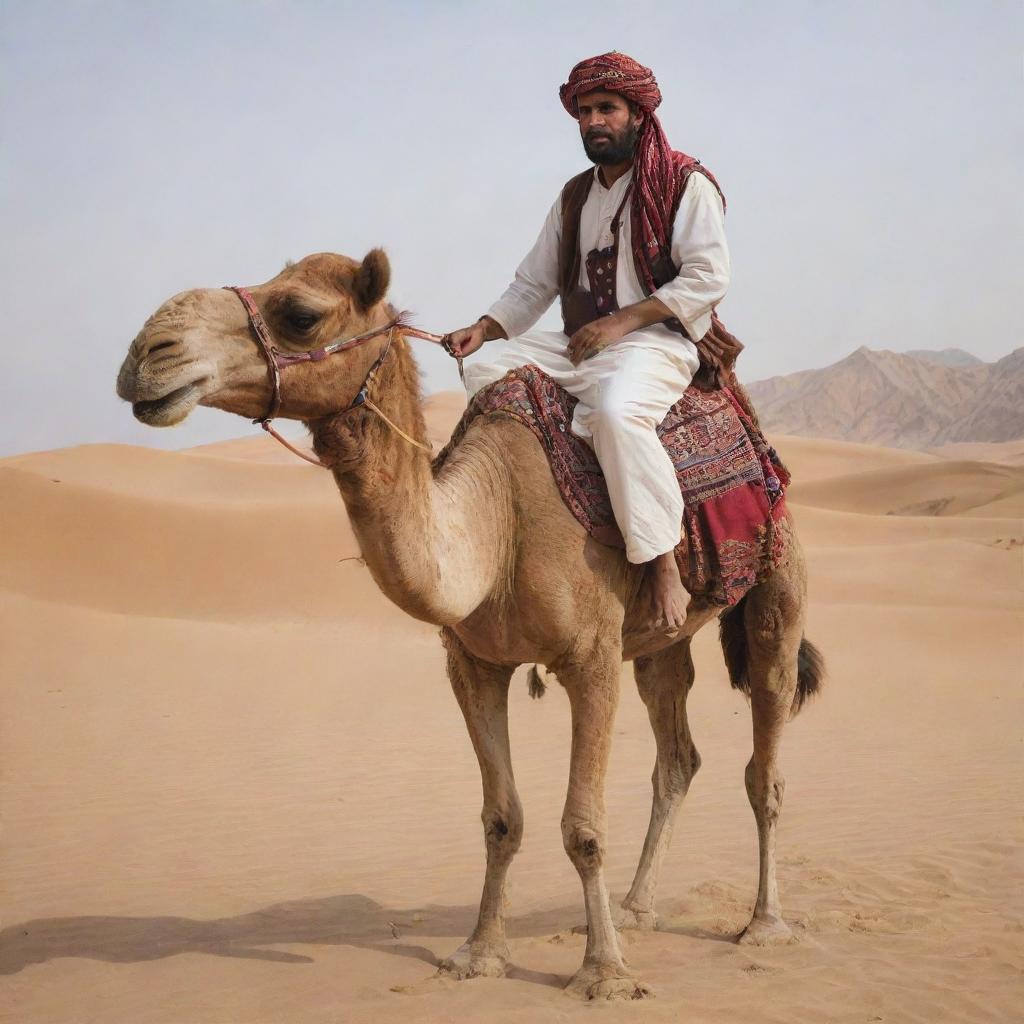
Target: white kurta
{"points": [[626, 389]]}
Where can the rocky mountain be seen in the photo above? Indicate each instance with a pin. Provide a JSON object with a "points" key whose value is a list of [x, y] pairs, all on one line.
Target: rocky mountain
{"points": [[899, 399], [945, 356]]}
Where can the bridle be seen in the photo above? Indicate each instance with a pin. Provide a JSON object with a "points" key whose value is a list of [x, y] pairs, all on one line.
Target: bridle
{"points": [[277, 361]]}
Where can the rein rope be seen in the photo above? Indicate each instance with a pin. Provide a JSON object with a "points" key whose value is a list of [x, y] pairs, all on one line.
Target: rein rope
{"points": [[277, 361]]}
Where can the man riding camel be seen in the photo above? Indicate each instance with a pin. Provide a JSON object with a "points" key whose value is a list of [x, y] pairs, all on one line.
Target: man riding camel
{"points": [[636, 251]]}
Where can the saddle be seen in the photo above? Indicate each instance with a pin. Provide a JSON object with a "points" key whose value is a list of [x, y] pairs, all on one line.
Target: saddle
{"points": [[732, 481]]}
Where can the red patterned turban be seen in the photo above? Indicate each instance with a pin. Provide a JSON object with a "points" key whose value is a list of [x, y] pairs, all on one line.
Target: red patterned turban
{"points": [[659, 172], [612, 72]]}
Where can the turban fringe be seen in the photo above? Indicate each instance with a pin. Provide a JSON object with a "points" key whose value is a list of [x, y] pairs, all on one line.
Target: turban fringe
{"points": [[659, 172]]}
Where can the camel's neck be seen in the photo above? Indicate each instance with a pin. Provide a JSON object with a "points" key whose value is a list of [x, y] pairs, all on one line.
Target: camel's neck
{"points": [[434, 547]]}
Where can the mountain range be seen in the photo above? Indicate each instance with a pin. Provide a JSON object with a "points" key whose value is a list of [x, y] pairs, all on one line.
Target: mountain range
{"points": [[919, 399]]}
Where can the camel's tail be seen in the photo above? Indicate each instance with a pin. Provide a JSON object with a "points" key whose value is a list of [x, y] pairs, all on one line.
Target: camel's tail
{"points": [[733, 633], [535, 684]]}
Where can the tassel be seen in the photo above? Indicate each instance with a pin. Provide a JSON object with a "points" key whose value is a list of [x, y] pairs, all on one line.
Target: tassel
{"points": [[535, 684]]}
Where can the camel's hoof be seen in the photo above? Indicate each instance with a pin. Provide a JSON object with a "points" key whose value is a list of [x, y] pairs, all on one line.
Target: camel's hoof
{"points": [[628, 919], [475, 960], [606, 981], [766, 931]]}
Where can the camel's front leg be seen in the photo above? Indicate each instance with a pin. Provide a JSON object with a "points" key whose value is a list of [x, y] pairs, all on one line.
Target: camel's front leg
{"points": [[593, 688], [482, 693], [664, 680], [773, 619]]}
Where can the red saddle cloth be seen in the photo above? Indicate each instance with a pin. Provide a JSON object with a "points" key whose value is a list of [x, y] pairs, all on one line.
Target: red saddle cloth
{"points": [[732, 481]]}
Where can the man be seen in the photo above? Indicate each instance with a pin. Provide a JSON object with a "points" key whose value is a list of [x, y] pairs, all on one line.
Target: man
{"points": [[636, 251]]}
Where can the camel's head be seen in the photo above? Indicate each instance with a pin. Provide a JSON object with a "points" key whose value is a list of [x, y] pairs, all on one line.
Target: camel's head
{"points": [[198, 347]]}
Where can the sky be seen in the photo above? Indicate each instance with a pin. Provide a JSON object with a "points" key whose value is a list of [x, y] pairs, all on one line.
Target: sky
{"points": [[871, 155]]}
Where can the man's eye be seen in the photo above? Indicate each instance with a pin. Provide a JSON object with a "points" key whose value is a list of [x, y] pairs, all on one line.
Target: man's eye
{"points": [[302, 319]]}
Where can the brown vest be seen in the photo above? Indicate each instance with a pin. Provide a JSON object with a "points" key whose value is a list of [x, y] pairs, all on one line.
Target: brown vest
{"points": [[718, 348]]}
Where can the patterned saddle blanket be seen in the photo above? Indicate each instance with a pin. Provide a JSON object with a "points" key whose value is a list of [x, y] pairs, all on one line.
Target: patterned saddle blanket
{"points": [[732, 481]]}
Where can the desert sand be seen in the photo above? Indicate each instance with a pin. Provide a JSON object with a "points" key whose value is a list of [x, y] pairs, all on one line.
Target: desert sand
{"points": [[237, 788]]}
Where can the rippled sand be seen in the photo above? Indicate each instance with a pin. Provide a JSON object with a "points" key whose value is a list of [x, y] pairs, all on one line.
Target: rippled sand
{"points": [[236, 787]]}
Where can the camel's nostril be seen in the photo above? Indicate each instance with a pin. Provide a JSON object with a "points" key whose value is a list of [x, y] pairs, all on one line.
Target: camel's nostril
{"points": [[160, 345]]}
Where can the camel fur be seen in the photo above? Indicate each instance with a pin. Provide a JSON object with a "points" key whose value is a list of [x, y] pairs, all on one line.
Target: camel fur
{"points": [[485, 548]]}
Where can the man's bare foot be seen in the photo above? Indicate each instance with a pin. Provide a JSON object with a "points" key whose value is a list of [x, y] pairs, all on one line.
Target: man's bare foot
{"points": [[669, 596]]}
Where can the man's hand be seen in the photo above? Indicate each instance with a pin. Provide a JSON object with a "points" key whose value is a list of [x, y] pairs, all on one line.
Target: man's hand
{"points": [[467, 340], [607, 330], [597, 335]]}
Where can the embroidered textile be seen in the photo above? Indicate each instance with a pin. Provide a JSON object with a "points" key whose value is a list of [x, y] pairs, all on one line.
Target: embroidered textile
{"points": [[732, 481]]}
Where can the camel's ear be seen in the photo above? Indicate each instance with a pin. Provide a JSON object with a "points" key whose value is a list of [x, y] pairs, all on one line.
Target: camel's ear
{"points": [[372, 278]]}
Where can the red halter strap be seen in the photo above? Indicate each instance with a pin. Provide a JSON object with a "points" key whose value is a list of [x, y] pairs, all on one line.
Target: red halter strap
{"points": [[277, 360]]}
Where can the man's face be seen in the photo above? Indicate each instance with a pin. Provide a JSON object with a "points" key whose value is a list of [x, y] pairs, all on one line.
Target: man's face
{"points": [[608, 127]]}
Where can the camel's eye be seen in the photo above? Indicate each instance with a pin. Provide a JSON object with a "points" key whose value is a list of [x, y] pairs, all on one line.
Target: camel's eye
{"points": [[302, 319]]}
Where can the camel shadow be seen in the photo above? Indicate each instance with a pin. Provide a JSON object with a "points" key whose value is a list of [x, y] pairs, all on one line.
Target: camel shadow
{"points": [[336, 920], [693, 931], [354, 920]]}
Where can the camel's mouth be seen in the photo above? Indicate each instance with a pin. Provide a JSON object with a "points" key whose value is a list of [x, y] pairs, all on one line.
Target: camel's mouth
{"points": [[171, 408]]}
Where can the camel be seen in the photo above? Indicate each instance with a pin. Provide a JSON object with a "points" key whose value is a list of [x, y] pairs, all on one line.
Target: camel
{"points": [[484, 548]]}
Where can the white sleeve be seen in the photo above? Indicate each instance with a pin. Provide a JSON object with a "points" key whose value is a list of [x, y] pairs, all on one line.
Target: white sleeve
{"points": [[536, 282], [700, 251]]}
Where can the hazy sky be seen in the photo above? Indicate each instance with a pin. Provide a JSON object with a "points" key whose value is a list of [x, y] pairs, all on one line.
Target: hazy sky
{"points": [[870, 153]]}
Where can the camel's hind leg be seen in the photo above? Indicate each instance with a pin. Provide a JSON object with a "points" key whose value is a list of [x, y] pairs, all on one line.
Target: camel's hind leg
{"points": [[593, 688], [773, 621], [664, 680], [482, 692]]}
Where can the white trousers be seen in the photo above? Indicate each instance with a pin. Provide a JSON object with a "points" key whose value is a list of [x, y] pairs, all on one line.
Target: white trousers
{"points": [[624, 392]]}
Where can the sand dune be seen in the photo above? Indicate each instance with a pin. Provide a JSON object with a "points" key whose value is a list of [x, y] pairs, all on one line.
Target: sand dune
{"points": [[443, 411], [810, 459], [118, 547], [938, 489], [237, 788], [205, 474], [1009, 452]]}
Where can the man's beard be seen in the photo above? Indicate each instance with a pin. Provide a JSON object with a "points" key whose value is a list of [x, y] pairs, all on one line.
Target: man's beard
{"points": [[618, 150]]}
